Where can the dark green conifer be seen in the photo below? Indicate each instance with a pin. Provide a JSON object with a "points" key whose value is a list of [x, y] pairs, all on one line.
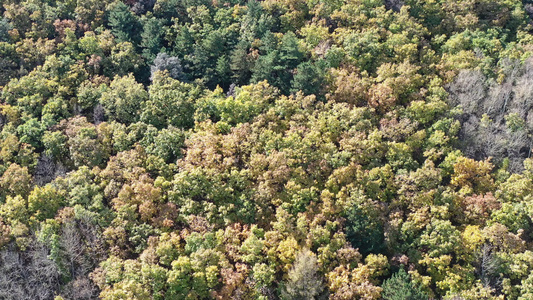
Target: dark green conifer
{"points": [[400, 287]]}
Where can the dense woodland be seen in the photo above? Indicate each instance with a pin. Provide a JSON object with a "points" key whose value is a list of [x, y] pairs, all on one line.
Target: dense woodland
{"points": [[276, 149]]}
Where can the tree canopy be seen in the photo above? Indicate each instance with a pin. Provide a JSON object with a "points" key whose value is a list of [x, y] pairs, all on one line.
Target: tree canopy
{"points": [[290, 149]]}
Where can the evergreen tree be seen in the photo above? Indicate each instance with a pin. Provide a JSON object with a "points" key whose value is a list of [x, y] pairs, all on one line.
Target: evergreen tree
{"points": [[309, 78], [290, 54], [152, 37], [5, 27], [363, 232], [400, 287], [276, 65], [240, 63], [124, 25]]}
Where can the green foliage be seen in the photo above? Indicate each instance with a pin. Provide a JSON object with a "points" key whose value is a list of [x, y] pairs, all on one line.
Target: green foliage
{"points": [[400, 287], [89, 93], [170, 102], [363, 231], [124, 24], [44, 202], [166, 149], [123, 100], [514, 122], [31, 132], [278, 61], [4, 30], [55, 144], [152, 38], [167, 144], [309, 78]]}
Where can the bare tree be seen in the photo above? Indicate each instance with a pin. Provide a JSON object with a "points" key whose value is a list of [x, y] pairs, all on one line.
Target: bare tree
{"points": [[142, 6], [171, 64], [98, 114], [487, 105], [468, 90], [45, 170], [29, 274], [395, 5], [487, 268], [32, 274], [83, 250]]}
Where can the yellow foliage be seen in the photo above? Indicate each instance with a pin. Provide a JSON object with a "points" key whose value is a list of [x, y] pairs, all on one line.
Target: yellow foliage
{"points": [[471, 175], [472, 237]]}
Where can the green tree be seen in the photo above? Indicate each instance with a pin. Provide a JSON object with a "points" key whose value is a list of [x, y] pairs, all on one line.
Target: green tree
{"points": [[170, 102], [363, 231], [31, 132], [400, 287], [123, 60], [124, 24], [309, 78], [240, 63], [277, 63], [168, 144], [5, 27], [152, 38], [43, 202], [123, 99]]}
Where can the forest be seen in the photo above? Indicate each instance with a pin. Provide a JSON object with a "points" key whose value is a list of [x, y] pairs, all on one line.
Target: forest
{"points": [[266, 149]]}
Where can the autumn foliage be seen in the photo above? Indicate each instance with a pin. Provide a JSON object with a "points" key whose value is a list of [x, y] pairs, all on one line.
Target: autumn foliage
{"points": [[292, 149]]}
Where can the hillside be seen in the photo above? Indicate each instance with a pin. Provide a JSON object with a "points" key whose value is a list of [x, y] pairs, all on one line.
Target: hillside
{"points": [[276, 149]]}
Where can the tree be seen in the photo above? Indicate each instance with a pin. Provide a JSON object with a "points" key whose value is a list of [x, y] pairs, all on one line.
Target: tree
{"points": [[248, 102], [45, 170], [170, 102], [241, 63], [152, 38], [28, 274], [142, 6], [400, 287], [168, 144], [363, 231], [309, 78], [89, 93], [304, 280], [31, 132], [277, 63], [124, 25], [123, 99], [123, 60], [353, 279], [471, 175], [55, 144], [4, 29], [91, 12], [168, 9], [16, 180], [84, 143], [194, 275], [9, 63], [290, 54], [171, 64], [43, 202]]}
